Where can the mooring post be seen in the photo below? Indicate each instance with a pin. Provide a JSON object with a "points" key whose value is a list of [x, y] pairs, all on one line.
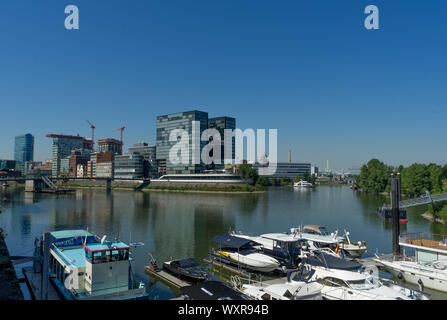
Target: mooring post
{"points": [[109, 184], [395, 209], [46, 258]]}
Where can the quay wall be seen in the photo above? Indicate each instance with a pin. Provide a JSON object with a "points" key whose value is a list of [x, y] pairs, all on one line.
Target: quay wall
{"points": [[10, 287]]}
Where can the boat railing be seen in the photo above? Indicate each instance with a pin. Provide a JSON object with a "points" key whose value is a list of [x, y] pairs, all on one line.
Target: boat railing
{"points": [[423, 239]]}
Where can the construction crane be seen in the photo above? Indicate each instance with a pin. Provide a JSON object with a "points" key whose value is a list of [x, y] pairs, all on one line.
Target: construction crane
{"points": [[121, 140], [93, 132]]}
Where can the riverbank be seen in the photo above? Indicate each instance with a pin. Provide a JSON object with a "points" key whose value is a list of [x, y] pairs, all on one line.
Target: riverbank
{"points": [[427, 215], [131, 185], [10, 288]]}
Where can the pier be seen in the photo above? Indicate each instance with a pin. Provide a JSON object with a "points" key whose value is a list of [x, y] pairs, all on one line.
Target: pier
{"points": [[167, 278]]}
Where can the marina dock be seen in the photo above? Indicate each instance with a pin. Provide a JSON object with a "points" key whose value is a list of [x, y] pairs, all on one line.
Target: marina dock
{"points": [[10, 289], [167, 278], [33, 281]]}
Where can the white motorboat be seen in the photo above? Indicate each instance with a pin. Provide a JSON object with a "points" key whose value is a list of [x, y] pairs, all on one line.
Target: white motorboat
{"points": [[353, 249], [298, 290], [345, 284], [427, 268], [303, 184], [243, 253]]}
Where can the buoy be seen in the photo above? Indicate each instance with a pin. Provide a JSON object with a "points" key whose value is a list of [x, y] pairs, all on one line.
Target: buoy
{"points": [[400, 276]]}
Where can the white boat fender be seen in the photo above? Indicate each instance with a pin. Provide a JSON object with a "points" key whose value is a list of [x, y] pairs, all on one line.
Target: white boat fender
{"points": [[421, 285]]}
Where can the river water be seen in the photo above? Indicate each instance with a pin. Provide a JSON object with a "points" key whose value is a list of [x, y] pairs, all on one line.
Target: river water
{"points": [[181, 225]]}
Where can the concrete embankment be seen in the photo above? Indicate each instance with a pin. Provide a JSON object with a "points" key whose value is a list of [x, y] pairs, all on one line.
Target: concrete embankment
{"points": [[156, 186], [10, 287]]}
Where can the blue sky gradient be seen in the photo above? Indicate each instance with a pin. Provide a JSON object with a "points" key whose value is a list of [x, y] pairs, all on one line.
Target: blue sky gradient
{"points": [[310, 69]]}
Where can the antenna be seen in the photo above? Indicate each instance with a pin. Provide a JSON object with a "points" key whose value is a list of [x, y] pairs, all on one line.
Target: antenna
{"points": [[85, 241], [103, 239]]}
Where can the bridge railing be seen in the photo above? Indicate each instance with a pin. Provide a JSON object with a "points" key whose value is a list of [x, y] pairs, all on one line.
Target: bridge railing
{"points": [[425, 199]]}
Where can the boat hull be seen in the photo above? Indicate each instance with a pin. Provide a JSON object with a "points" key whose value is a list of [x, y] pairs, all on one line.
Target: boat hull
{"points": [[429, 281]]}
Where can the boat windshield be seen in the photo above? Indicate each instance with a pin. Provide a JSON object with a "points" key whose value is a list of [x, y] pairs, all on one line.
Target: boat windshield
{"points": [[323, 231], [363, 284]]}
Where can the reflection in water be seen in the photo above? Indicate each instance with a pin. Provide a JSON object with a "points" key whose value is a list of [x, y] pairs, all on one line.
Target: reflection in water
{"points": [[181, 225]]}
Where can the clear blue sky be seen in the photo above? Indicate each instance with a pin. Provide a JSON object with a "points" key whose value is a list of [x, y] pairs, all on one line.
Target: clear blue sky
{"points": [[333, 89]]}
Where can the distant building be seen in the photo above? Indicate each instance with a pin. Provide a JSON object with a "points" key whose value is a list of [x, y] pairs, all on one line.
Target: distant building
{"points": [[77, 158], [150, 163], [129, 166], [182, 120], [62, 147], [7, 164], [105, 169], [220, 124], [289, 170], [24, 148], [37, 168], [110, 145], [81, 171], [314, 170], [96, 158]]}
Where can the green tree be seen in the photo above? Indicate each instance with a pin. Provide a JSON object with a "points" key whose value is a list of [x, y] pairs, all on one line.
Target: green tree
{"points": [[416, 180], [248, 172], [374, 177], [297, 179]]}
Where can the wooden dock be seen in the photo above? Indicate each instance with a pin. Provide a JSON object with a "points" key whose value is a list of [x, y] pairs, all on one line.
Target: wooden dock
{"points": [[167, 278], [34, 283], [228, 267]]}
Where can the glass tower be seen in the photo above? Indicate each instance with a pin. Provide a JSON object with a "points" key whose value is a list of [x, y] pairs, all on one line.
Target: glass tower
{"points": [[182, 120], [24, 148]]}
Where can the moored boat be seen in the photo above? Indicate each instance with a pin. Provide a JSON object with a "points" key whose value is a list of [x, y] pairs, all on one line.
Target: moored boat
{"points": [[427, 268], [84, 267], [243, 253], [187, 269]]}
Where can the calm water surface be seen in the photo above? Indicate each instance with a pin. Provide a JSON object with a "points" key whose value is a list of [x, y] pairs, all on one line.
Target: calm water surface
{"points": [[181, 225]]}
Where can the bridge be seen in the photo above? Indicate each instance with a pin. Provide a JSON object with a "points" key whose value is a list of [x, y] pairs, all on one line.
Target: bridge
{"points": [[424, 199], [46, 184]]}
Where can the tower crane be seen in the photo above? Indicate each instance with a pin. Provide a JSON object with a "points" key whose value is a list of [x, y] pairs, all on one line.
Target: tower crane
{"points": [[93, 132]]}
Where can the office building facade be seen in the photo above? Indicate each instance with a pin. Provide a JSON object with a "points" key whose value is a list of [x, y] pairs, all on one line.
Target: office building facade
{"points": [[289, 170], [24, 148], [150, 163], [220, 124], [62, 147], [129, 166], [182, 120], [110, 145]]}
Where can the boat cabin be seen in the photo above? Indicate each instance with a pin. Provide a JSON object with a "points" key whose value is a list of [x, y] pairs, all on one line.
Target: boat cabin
{"points": [[85, 266]]}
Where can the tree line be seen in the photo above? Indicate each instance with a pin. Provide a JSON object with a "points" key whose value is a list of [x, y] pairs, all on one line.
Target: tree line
{"points": [[415, 180]]}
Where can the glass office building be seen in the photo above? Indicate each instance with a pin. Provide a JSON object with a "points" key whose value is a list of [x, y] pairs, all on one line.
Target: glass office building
{"points": [[24, 148], [289, 169], [182, 120], [220, 124]]}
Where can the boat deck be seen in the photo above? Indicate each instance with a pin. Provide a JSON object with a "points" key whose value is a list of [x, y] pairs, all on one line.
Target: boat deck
{"points": [[167, 278], [428, 243]]}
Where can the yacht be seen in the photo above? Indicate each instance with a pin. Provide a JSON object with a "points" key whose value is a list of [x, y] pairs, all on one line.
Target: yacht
{"points": [[298, 290], [427, 268], [84, 267], [243, 253], [284, 247], [353, 249], [303, 184], [352, 284]]}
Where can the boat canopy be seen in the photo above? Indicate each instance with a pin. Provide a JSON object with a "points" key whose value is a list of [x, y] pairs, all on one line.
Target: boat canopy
{"points": [[234, 242], [320, 259]]}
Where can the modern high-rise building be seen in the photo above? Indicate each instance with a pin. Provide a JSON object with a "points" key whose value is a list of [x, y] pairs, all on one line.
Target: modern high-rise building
{"points": [[110, 145], [182, 120], [220, 124], [62, 147], [24, 148]]}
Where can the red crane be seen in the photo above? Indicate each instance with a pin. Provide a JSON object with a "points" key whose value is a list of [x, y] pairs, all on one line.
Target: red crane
{"points": [[93, 132], [121, 140]]}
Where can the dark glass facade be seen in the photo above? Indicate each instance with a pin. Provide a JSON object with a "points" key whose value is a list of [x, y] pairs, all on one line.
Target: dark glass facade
{"points": [[182, 120], [24, 148]]}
